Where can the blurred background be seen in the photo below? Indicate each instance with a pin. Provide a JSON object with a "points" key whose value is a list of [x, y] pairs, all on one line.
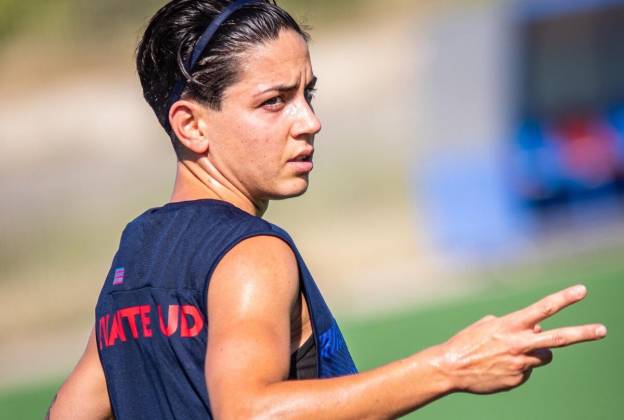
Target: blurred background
{"points": [[471, 161]]}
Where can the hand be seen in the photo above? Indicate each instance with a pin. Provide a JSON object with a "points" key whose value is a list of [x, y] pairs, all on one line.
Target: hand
{"points": [[498, 353]]}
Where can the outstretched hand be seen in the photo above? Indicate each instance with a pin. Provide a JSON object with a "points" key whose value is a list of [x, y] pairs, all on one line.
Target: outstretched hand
{"points": [[498, 353]]}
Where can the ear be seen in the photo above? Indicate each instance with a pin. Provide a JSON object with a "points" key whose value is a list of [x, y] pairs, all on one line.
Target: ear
{"points": [[187, 121]]}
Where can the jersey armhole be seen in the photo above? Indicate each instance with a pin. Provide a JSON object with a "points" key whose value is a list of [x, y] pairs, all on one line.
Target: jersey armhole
{"points": [[302, 286]]}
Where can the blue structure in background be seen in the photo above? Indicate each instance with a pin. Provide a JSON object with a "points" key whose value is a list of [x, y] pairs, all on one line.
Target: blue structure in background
{"points": [[570, 95], [565, 155], [541, 9], [468, 205]]}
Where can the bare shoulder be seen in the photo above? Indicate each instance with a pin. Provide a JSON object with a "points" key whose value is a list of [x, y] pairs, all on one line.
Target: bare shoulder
{"points": [[263, 249], [251, 298], [263, 266]]}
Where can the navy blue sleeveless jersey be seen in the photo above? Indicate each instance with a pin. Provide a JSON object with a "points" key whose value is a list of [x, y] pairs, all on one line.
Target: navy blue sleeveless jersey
{"points": [[151, 314]]}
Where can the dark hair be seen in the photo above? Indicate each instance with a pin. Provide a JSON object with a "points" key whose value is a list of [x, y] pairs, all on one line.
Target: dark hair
{"points": [[172, 34]]}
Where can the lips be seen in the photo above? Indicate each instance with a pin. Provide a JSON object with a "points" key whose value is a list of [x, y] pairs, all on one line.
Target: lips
{"points": [[302, 163], [303, 156], [301, 159]]}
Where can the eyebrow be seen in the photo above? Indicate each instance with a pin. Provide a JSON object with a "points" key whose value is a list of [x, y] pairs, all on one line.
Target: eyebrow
{"points": [[287, 88]]}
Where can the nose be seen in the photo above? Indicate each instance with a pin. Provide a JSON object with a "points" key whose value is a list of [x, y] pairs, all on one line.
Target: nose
{"points": [[306, 122]]}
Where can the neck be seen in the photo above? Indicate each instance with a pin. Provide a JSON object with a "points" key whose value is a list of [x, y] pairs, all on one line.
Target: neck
{"points": [[197, 180]]}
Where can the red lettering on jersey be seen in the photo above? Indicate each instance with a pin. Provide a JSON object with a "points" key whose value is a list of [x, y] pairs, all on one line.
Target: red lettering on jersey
{"points": [[116, 331], [198, 321], [130, 314], [103, 331], [111, 328], [145, 320], [172, 320]]}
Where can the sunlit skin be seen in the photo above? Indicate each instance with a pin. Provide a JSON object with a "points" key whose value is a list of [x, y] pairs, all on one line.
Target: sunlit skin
{"points": [[257, 317]]}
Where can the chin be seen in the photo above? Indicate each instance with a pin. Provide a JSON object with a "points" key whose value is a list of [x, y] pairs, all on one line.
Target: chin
{"points": [[293, 189]]}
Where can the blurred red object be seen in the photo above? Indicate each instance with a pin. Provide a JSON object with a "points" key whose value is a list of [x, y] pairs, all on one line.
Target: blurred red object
{"points": [[589, 149]]}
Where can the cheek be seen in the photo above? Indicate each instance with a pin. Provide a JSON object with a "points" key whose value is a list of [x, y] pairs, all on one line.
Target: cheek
{"points": [[264, 139]]}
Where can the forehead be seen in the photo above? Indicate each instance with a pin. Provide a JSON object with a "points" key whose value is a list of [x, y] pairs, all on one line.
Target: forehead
{"points": [[285, 60]]}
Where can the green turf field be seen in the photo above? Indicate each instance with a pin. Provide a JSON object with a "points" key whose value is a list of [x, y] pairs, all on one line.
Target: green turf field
{"points": [[582, 383]]}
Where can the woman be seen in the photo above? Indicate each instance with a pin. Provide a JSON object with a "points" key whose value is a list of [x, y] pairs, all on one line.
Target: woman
{"points": [[208, 310]]}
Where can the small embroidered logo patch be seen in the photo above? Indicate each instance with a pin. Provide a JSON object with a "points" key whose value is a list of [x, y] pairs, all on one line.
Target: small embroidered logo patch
{"points": [[119, 276]]}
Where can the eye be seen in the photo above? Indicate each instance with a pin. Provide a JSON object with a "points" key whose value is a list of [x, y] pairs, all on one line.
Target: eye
{"points": [[274, 103], [310, 94]]}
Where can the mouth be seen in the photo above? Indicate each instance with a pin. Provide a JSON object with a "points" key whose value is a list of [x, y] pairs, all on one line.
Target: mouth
{"points": [[303, 163], [303, 159], [305, 156]]}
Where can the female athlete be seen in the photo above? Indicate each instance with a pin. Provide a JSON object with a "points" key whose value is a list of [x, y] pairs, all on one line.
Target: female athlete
{"points": [[208, 310]]}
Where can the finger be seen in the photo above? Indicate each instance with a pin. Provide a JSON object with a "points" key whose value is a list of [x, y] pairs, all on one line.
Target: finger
{"points": [[526, 375], [563, 337], [537, 329], [539, 357], [549, 306]]}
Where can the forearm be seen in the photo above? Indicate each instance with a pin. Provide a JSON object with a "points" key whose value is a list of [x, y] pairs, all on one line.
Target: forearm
{"points": [[386, 392], [75, 404], [84, 394]]}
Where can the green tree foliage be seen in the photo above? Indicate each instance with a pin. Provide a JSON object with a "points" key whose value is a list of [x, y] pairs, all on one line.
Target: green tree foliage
{"points": [[89, 20]]}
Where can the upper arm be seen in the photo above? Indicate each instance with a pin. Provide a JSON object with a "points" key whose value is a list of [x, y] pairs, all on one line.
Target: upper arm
{"points": [[84, 394], [250, 301]]}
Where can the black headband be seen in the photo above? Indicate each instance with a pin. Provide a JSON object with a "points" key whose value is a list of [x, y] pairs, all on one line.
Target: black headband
{"points": [[203, 41]]}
